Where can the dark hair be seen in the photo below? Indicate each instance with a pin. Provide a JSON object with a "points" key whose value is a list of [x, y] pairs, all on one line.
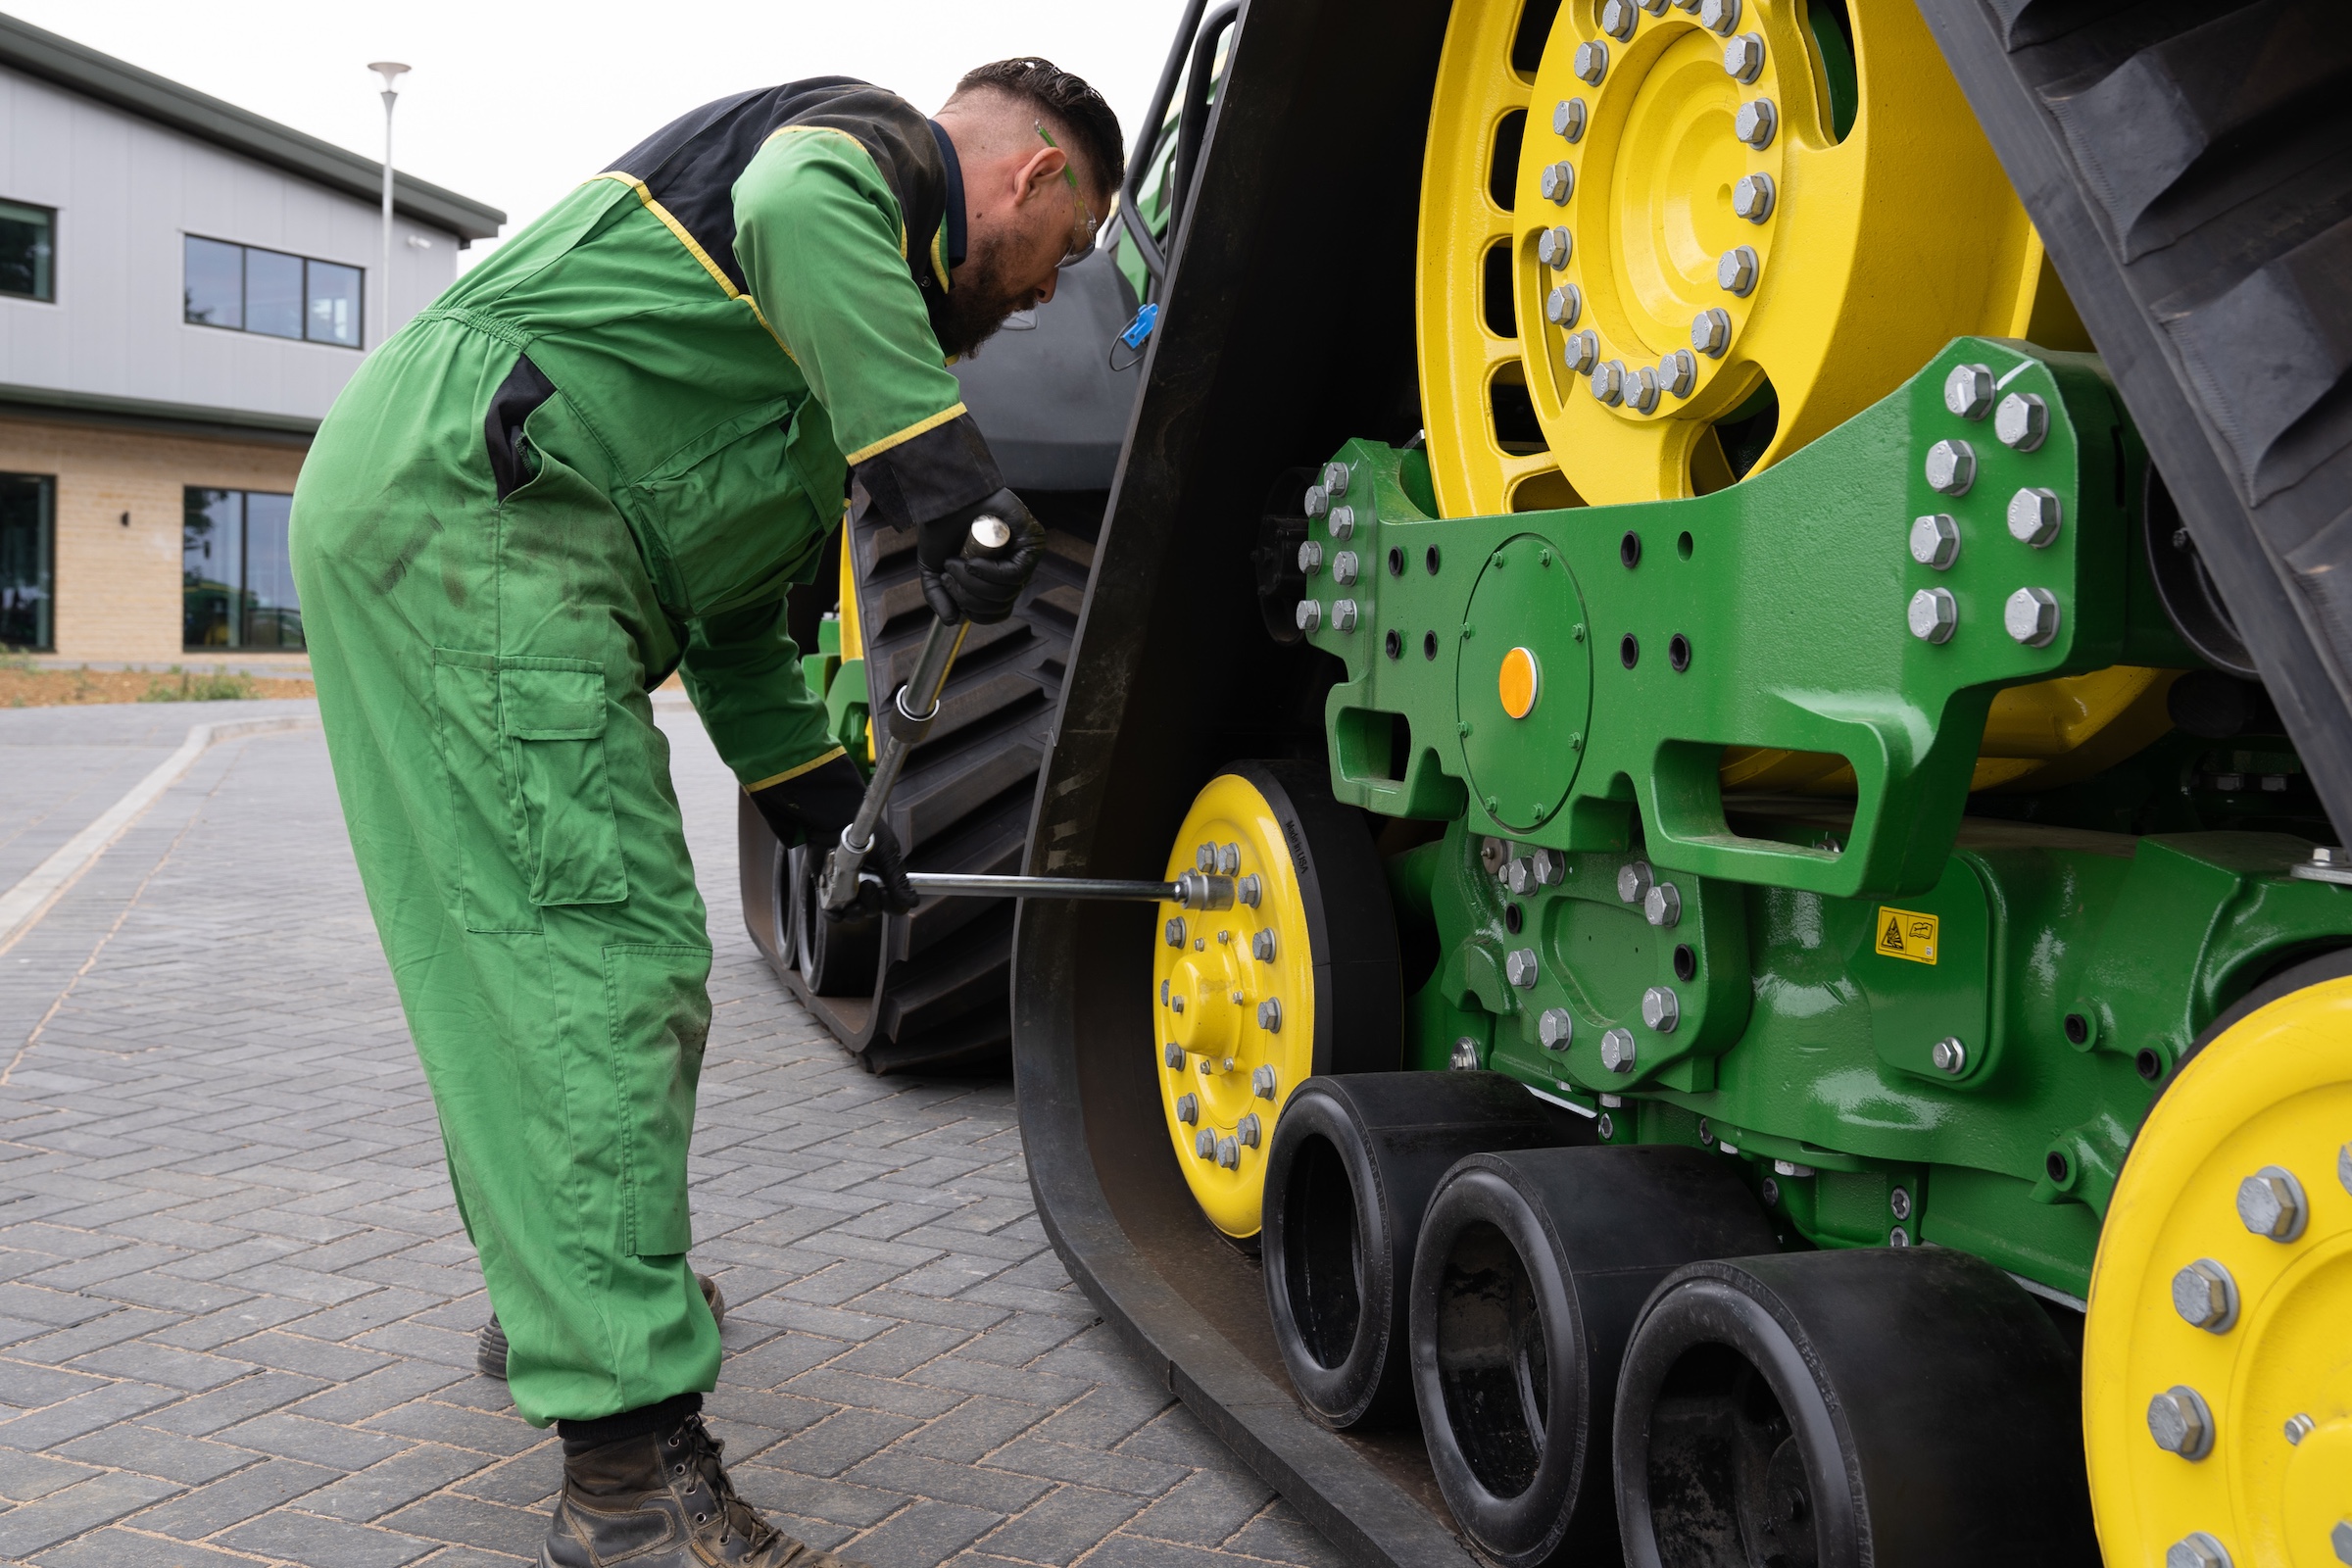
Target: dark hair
{"points": [[1067, 101]]}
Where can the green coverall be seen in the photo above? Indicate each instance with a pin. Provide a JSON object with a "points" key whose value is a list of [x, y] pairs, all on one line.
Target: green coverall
{"points": [[605, 454]]}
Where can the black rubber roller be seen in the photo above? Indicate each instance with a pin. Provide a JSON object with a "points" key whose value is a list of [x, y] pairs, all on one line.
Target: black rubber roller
{"points": [[1531, 1273], [1354, 1158], [1874, 1406]]}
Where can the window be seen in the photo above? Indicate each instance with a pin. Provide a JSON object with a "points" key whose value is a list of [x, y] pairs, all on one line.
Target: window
{"points": [[248, 289], [236, 579], [28, 562], [27, 248]]}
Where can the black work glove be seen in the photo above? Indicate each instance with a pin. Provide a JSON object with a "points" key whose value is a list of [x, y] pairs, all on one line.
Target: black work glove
{"points": [[813, 808], [975, 586]]}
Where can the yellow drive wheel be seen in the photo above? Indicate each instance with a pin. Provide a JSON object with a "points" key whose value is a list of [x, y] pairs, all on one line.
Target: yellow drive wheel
{"points": [[2217, 1377], [1298, 976]]}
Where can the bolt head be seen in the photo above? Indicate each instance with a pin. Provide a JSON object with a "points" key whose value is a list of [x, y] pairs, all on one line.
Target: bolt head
{"points": [[1617, 19], [1662, 905], [1641, 388], [1465, 1055], [2196, 1550], [1229, 863], [1951, 468], [1205, 1145], [1344, 616], [1719, 16], [1935, 541], [1249, 1131], [1554, 246], [1968, 391], [1592, 62], [2031, 617], [2033, 517], [1563, 305], [1771, 1191], [1318, 501], [1310, 556], [1188, 1109], [1752, 197], [1608, 382], [1949, 1055], [1736, 271], [1269, 1016], [1568, 119], [1345, 568], [2341, 1538], [1342, 522], [1754, 122], [2022, 422], [2180, 1423], [2271, 1203], [1174, 1056], [1262, 1083], [1711, 332], [2343, 1167], [1899, 1202], [1309, 614], [1335, 478], [1249, 890], [1633, 881], [1678, 373], [1519, 966], [1661, 1009], [1743, 57], [1520, 875], [1932, 616], [1175, 931], [1556, 1029], [1558, 183], [1617, 1051], [1552, 867], [1582, 352], [1229, 1153], [2205, 1296], [1261, 947]]}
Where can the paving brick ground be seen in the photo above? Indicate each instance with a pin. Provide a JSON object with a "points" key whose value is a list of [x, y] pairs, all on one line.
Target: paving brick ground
{"points": [[237, 1311]]}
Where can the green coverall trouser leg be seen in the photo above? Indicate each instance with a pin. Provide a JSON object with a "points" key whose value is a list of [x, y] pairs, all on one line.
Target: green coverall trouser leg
{"points": [[481, 667]]}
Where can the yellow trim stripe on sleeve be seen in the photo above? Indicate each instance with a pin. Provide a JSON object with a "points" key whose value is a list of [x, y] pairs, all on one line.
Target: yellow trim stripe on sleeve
{"points": [[694, 248], [906, 435], [791, 773], [939, 260]]}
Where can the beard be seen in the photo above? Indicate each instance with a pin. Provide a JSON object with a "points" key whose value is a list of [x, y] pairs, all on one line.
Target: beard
{"points": [[977, 305]]}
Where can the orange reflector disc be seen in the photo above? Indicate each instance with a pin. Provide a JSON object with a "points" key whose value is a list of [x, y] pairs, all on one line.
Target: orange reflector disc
{"points": [[1520, 683]]}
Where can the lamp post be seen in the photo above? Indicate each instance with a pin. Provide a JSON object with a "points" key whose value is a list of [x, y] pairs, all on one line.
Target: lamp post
{"points": [[391, 71]]}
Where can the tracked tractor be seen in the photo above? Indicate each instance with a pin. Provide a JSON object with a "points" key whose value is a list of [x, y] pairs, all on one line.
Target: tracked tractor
{"points": [[1729, 614]]}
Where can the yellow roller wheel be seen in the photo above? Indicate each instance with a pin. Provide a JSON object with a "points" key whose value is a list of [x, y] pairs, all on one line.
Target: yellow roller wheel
{"points": [[1298, 976], [2217, 1373]]}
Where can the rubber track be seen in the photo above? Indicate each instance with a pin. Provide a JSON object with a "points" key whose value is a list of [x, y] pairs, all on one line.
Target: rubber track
{"points": [[2190, 166]]}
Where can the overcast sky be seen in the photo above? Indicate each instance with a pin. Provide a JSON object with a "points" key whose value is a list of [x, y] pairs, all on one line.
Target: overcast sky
{"points": [[513, 102]]}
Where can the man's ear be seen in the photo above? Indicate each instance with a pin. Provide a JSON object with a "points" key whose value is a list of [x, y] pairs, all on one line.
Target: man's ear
{"points": [[1040, 172]]}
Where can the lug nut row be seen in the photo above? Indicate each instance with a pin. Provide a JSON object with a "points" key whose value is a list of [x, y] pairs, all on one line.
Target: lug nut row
{"points": [[2020, 422]]}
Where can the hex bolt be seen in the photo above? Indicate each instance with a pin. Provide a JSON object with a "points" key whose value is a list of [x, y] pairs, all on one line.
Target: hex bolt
{"points": [[2299, 1427], [1752, 197], [1344, 616], [1345, 568], [2206, 1297], [1633, 881], [1949, 1055], [2022, 422], [1205, 857], [1641, 388], [1968, 391], [1592, 62], [1754, 123], [1711, 332], [1556, 1029], [1261, 947], [1269, 1016], [1176, 1003], [1262, 1083], [2196, 1550], [1661, 1009], [1951, 468], [1519, 875], [2031, 617], [1719, 16], [1678, 373], [1554, 246], [1310, 556], [1229, 1153], [1520, 968], [1175, 931], [1342, 522], [2033, 517], [1563, 305], [1318, 501], [2181, 1422], [1743, 57], [1934, 614], [1617, 1051], [1188, 1109], [1335, 478], [1582, 352], [1465, 1055], [1174, 1056], [1310, 616], [1205, 1145], [1935, 540], [1608, 382], [1899, 1202], [1662, 905], [1568, 119], [2271, 1201], [1737, 270], [1552, 869], [2341, 1538], [1249, 890], [1229, 863], [1558, 183], [1617, 19], [1249, 1132]]}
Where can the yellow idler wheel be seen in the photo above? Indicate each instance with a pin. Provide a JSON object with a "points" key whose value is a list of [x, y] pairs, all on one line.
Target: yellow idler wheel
{"points": [[2217, 1376], [1298, 976]]}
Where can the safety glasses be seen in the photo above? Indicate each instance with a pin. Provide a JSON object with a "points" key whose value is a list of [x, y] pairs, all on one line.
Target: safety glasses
{"points": [[1082, 244]]}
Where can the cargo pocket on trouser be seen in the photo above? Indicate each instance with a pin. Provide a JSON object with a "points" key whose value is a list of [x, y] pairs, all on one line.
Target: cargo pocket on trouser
{"points": [[657, 1010], [553, 710]]}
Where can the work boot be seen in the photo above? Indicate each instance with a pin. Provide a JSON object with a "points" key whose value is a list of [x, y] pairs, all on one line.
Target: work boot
{"points": [[660, 1500], [490, 1346]]}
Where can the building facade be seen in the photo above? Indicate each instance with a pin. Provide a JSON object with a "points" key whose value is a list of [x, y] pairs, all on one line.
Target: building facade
{"points": [[185, 288]]}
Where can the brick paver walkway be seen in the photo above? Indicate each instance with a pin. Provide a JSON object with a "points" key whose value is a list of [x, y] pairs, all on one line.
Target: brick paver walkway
{"points": [[237, 1312]]}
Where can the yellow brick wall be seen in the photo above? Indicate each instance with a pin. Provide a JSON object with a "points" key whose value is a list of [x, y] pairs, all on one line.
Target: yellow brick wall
{"points": [[117, 587]]}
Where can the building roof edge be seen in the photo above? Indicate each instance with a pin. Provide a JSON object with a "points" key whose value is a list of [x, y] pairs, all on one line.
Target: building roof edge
{"points": [[182, 419]]}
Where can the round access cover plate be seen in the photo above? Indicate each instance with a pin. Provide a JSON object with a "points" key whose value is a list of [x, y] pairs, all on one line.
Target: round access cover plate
{"points": [[1523, 647]]}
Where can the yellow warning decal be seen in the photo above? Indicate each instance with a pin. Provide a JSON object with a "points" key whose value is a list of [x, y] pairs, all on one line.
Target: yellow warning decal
{"points": [[1907, 934]]}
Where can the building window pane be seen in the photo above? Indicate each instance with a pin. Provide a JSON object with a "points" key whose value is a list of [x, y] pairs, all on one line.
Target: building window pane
{"points": [[28, 562], [334, 304], [28, 250], [212, 572], [272, 614], [272, 293], [215, 290]]}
